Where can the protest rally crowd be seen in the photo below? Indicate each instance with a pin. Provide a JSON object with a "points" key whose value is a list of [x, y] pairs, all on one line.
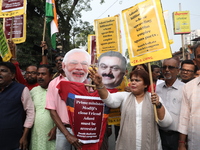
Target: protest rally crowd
{"points": [[78, 102], [34, 116]]}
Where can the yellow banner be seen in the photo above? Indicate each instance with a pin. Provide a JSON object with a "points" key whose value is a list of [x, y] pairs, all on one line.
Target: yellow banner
{"points": [[107, 33], [4, 48], [146, 34], [19, 28], [181, 22], [12, 8], [114, 116]]}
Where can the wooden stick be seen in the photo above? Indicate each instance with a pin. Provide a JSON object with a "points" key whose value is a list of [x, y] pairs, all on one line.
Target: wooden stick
{"points": [[11, 28], [43, 37], [152, 90], [90, 85], [11, 33]]}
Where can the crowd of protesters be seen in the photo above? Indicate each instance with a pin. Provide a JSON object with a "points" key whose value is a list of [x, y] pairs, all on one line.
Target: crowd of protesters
{"points": [[33, 115]]}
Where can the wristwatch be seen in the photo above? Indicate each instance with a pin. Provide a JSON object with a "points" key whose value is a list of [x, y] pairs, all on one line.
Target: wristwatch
{"points": [[159, 105]]}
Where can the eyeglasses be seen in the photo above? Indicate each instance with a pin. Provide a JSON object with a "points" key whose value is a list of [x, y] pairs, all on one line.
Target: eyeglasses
{"points": [[184, 70], [57, 60], [169, 67], [32, 73]]}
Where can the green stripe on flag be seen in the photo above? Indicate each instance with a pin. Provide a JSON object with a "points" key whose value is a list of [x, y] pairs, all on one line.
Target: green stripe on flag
{"points": [[53, 41]]}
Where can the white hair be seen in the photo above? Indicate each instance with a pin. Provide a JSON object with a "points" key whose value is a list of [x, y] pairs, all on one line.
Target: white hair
{"points": [[77, 50]]}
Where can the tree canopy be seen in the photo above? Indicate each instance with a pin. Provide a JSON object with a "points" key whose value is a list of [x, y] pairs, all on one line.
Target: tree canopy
{"points": [[72, 30]]}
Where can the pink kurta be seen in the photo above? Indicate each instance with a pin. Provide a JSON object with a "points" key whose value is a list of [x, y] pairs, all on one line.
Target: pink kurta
{"points": [[189, 123]]}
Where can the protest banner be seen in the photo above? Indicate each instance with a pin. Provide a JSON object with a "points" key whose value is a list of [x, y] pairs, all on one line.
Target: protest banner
{"points": [[89, 115], [4, 48], [181, 22], [18, 31], [76, 88], [92, 48], [11, 8], [107, 33], [146, 34]]}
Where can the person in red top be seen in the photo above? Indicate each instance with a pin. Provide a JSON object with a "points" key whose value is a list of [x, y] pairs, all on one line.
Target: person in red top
{"points": [[30, 78]]}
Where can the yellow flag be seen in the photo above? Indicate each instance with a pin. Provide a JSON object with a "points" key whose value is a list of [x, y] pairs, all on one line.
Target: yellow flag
{"points": [[4, 48]]}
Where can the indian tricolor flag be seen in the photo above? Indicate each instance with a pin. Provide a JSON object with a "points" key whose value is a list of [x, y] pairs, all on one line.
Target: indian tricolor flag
{"points": [[52, 21]]}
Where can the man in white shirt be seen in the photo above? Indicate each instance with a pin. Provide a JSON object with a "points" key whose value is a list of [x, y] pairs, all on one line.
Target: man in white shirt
{"points": [[171, 93]]}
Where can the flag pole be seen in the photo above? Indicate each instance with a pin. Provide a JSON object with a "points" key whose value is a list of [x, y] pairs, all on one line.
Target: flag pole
{"points": [[152, 90], [11, 28], [43, 37], [11, 33]]}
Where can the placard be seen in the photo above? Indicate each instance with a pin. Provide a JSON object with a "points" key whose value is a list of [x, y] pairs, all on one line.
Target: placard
{"points": [[146, 34], [11, 8], [107, 31], [18, 28]]}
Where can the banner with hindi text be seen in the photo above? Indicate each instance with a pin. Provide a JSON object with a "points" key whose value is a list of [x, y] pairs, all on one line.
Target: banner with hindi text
{"points": [[107, 31], [146, 34]]}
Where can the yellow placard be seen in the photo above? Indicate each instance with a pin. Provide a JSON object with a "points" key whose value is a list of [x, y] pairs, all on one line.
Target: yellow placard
{"points": [[4, 48], [19, 28], [12, 8], [146, 34], [107, 33], [114, 116], [181, 22]]}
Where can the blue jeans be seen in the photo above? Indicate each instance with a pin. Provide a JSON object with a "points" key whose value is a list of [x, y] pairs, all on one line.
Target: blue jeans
{"points": [[61, 141]]}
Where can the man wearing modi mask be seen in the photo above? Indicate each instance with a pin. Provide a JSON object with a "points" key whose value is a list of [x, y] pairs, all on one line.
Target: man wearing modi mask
{"points": [[75, 65]]}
